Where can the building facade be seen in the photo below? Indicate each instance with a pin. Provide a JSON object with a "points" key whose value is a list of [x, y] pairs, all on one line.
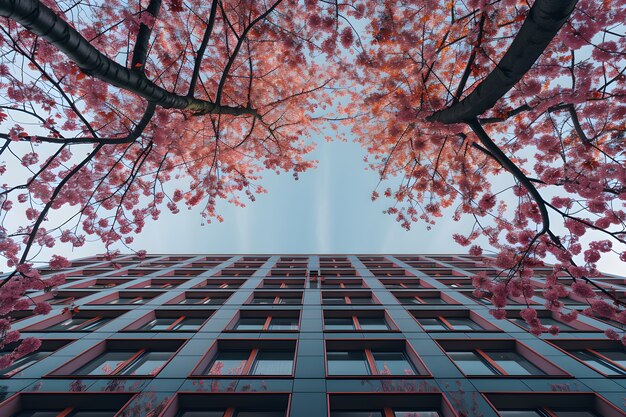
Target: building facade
{"points": [[304, 336]]}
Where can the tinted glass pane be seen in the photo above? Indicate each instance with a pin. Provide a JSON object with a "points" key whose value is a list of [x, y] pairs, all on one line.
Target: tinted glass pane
{"points": [[273, 363], [521, 413], [433, 300], [289, 300], [409, 300], [22, 363], [262, 300], [284, 323], [432, 324], [250, 323], [334, 300], [416, 414], [159, 324], [373, 323], [356, 414], [93, 414], [599, 363], [361, 300], [190, 323], [260, 414], [393, 363], [37, 414], [339, 323], [471, 364], [461, 323], [514, 364], [347, 363], [105, 364], [229, 363], [616, 356], [576, 413], [93, 324], [147, 364], [200, 414]]}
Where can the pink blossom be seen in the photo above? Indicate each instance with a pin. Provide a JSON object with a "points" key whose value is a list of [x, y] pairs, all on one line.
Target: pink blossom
{"points": [[42, 308], [59, 262], [583, 289], [612, 334]]}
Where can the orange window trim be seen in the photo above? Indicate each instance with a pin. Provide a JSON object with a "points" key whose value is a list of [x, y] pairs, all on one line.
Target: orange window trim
{"points": [[124, 364], [356, 323], [250, 361], [446, 322], [66, 412], [491, 361], [370, 361], [175, 323], [601, 356], [266, 325], [87, 322]]}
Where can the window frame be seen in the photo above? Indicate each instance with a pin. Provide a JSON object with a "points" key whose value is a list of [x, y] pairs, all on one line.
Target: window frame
{"points": [[549, 369], [370, 346], [229, 402], [568, 345], [525, 400], [59, 401], [179, 316], [253, 347], [389, 403], [356, 316], [138, 346], [269, 316]]}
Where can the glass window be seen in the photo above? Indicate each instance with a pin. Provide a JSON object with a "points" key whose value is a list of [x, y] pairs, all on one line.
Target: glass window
{"points": [[125, 363], [432, 300], [149, 363], [356, 414], [334, 300], [189, 324], [338, 323], [128, 300], [432, 324], [229, 363], [161, 323], [200, 414], [361, 300], [373, 323], [79, 324], [416, 414], [392, 363], [289, 300], [463, 323], [520, 413], [513, 363], [273, 363], [263, 300], [607, 362], [471, 363], [250, 323], [260, 414], [23, 362], [283, 323], [347, 363], [105, 364]]}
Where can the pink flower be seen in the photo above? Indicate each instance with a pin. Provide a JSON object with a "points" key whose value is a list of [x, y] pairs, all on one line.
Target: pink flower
{"points": [[498, 314], [476, 250], [42, 308], [59, 262], [583, 289], [611, 334]]}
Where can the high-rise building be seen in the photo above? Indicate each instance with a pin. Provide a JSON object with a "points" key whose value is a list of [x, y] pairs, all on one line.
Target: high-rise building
{"points": [[305, 336]]}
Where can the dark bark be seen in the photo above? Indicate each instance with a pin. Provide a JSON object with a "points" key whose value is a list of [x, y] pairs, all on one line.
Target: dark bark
{"points": [[543, 22], [42, 21]]}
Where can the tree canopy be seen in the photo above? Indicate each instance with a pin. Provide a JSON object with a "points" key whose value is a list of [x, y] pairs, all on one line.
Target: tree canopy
{"points": [[105, 104]]}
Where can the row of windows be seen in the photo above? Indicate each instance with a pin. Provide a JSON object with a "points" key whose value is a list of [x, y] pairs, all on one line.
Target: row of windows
{"points": [[340, 405], [374, 320], [343, 357]]}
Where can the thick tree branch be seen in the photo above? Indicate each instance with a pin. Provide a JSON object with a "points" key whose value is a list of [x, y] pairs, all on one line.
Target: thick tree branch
{"points": [[42, 21], [202, 49], [544, 20]]}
